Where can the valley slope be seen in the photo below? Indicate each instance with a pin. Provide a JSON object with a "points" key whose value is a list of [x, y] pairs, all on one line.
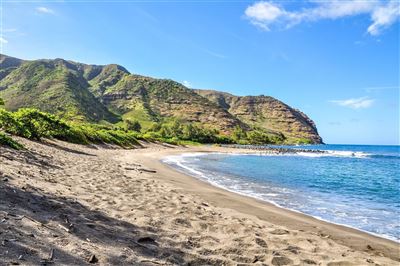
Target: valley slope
{"points": [[109, 93]]}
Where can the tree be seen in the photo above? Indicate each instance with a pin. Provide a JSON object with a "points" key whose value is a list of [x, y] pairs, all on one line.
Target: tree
{"points": [[258, 137], [239, 134], [1, 101], [155, 127], [176, 129], [133, 125], [190, 132]]}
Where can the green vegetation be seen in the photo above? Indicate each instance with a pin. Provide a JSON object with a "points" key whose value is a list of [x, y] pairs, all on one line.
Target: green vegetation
{"points": [[33, 124], [55, 87], [176, 132], [107, 104], [132, 125], [302, 141], [7, 141], [268, 114]]}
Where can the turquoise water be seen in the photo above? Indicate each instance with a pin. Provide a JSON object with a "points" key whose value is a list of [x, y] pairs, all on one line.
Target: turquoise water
{"points": [[353, 185]]}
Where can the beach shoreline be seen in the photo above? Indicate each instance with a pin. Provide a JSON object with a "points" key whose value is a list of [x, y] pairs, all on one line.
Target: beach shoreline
{"points": [[351, 237], [124, 206]]}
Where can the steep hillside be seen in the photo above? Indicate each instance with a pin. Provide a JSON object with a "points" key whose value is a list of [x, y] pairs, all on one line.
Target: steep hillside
{"points": [[88, 92], [267, 113], [55, 86], [8, 64], [110, 93], [145, 98]]}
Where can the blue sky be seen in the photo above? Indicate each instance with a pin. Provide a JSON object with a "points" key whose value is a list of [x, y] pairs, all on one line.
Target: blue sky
{"points": [[337, 61]]}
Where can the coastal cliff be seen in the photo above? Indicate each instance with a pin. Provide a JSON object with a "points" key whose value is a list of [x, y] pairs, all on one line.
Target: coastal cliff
{"points": [[110, 93], [267, 113]]}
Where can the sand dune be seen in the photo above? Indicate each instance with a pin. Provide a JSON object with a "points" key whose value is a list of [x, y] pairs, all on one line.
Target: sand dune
{"points": [[68, 204]]}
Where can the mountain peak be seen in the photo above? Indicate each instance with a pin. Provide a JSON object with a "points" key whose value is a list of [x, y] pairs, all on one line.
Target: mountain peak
{"points": [[105, 92]]}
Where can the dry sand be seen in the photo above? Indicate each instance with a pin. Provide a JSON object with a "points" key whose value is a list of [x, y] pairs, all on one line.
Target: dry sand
{"points": [[67, 204]]}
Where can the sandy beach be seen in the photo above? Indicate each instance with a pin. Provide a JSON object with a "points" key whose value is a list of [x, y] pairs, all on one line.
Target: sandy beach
{"points": [[67, 204]]}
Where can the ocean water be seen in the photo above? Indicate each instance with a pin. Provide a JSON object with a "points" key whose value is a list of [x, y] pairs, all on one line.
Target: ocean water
{"points": [[352, 185]]}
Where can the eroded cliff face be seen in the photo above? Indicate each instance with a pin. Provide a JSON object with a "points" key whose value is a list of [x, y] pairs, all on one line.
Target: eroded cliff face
{"points": [[94, 93], [166, 98], [267, 113]]}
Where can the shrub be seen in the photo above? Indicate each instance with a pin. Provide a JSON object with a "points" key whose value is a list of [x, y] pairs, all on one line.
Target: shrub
{"points": [[7, 141], [73, 135], [33, 124], [239, 134], [258, 137], [37, 125], [303, 141], [152, 136], [9, 124], [155, 127], [132, 125]]}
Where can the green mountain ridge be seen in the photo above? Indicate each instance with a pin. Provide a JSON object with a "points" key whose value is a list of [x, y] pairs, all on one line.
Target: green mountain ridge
{"points": [[55, 86], [110, 93]]}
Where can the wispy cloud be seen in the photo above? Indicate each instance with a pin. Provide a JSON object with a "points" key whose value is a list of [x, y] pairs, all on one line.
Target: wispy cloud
{"points": [[218, 55], [267, 14], [355, 103], [384, 16], [3, 41], [381, 88], [45, 10], [187, 84]]}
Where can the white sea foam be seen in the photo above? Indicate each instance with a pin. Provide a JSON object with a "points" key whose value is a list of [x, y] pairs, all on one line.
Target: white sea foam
{"points": [[330, 153], [275, 195], [315, 154], [327, 153]]}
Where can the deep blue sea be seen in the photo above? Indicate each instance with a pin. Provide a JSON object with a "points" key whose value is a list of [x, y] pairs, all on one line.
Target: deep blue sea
{"points": [[353, 185]]}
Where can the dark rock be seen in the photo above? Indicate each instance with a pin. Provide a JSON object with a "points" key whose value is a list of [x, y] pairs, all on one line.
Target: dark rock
{"points": [[308, 261], [259, 258], [280, 232], [147, 240], [183, 222], [261, 242], [278, 261], [93, 259], [293, 249]]}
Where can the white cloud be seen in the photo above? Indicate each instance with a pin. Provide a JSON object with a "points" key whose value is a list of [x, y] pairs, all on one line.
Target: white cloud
{"points": [[262, 14], [187, 84], [265, 14], [3, 41], [383, 17], [355, 103], [45, 10]]}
